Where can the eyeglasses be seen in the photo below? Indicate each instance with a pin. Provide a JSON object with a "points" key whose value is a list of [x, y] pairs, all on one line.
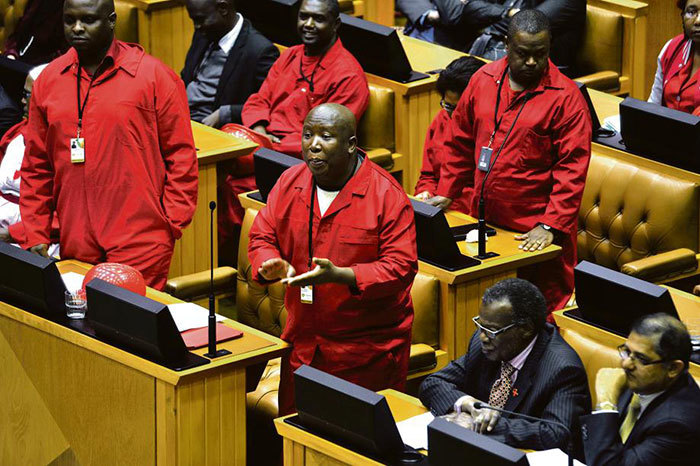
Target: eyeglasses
{"points": [[635, 357], [690, 13], [491, 334], [26, 95], [448, 107]]}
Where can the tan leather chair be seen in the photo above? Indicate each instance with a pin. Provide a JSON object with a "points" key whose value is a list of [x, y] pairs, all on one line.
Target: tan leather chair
{"points": [[127, 27], [10, 13], [639, 217], [611, 58]]}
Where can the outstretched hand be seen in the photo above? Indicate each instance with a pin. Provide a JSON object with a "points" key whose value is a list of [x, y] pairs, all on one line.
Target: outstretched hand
{"points": [[536, 239], [275, 269], [324, 272]]}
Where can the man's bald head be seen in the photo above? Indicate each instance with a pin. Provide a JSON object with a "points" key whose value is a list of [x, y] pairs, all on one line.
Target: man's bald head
{"points": [[89, 27], [338, 115], [329, 145]]}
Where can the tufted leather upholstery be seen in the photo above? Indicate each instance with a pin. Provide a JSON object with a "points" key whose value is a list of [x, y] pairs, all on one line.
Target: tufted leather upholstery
{"points": [[600, 58], [376, 128], [630, 212], [10, 13]]}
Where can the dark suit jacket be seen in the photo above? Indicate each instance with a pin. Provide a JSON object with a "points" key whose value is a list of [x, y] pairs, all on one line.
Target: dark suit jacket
{"points": [[667, 433], [461, 23], [246, 68], [552, 385], [10, 114]]}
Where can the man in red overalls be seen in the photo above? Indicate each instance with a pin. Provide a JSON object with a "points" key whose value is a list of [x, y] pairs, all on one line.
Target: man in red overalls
{"points": [[339, 231], [529, 125], [318, 71], [109, 147]]}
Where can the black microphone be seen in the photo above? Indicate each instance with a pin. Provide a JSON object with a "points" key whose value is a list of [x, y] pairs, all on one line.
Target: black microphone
{"points": [[482, 198], [213, 353], [480, 405]]}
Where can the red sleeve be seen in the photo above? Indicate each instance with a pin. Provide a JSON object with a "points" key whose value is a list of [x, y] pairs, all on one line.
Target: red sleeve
{"points": [[351, 91], [178, 152], [458, 165], [36, 203], [428, 179], [572, 142], [398, 257], [257, 108], [262, 243]]}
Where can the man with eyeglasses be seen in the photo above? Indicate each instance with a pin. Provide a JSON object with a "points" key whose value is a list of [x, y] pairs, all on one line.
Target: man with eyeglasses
{"points": [[648, 411], [450, 84], [515, 361]]}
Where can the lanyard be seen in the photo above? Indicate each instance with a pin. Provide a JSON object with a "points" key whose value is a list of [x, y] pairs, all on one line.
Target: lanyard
{"points": [[87, 94], [311, 209], [310, 80], [497, 121]]}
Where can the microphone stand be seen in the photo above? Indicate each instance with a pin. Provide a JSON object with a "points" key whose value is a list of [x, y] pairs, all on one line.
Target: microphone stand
{"points": [[480, 405], [213, 353]]}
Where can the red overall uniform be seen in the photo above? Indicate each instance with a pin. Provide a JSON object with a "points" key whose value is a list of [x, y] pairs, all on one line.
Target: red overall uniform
{"points": [[363, 335], [680, 90], [541, 171], [282, 103], [433, 155], [137, 188]]}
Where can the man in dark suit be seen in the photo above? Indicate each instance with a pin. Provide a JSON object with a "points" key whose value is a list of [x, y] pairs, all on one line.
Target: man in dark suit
{"points": [[227, 62], [516, 361], [479, 27], [648, 412]]}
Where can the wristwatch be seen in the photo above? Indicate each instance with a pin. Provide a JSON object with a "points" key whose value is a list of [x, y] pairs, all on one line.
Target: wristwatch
{"points": [[546, 227]]}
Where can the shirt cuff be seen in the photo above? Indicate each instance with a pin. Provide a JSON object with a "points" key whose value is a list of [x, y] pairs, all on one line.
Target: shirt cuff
{"points": [[224, 115], [602, 411], [422, 18]]}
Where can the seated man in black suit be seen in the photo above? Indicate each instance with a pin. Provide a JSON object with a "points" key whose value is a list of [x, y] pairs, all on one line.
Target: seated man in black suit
{"points": [[648, 411], [516, 361], [227, 62]]}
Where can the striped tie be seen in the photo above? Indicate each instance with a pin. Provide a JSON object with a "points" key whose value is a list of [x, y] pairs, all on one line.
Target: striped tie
{"points": [[632, 415]]}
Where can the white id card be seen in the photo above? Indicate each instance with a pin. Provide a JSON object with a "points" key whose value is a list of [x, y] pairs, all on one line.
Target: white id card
{"points": [[77, 150], [307, 294]]}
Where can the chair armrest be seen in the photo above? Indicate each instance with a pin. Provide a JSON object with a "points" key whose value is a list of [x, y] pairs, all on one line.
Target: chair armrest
{"points": [[601, 81], [197, 284], [381, 157], [422, 358], [629, 8], [661, 266]]}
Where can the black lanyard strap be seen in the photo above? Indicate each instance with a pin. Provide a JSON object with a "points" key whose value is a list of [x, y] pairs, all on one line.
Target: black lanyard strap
{"points": [[81, 110], [311, 221], [310, 80], [497, 121]]}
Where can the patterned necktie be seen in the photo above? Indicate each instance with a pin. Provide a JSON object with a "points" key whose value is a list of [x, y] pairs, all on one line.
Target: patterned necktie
{"points": [[501, 387], [632, 415]]}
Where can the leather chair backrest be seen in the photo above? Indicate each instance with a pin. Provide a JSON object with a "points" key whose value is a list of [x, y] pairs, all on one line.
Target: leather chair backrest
{"points": [[10, 13], [127, 27], [376, 127], [263, 307], [629, 212], [602, 43], [594, 355]]}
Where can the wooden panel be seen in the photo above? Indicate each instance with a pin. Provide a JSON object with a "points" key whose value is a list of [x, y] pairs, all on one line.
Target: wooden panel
{"points": [[664, 23], [115, 424], [211, 420], [165, 32], [379, 11]]}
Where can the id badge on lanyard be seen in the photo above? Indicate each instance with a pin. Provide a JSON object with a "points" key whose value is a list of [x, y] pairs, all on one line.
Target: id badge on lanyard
{"points": [[307, 294], [77, 150], [77, 144]]}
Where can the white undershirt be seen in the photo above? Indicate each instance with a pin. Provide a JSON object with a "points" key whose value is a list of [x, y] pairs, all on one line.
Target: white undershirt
{"points": [[325, 199]]}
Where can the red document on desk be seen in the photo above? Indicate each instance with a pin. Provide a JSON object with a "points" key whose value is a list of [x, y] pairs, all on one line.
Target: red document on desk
{"points": [[199, 337]]}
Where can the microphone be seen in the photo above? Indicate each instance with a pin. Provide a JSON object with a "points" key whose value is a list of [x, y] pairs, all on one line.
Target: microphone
{"points": [[211, 320], [480, 405]]}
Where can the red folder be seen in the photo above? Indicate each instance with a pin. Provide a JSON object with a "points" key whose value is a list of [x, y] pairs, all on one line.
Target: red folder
{"points": [[199, 337]]}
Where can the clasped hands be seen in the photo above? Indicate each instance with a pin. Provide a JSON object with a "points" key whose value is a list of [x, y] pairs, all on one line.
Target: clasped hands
{"points": [[323, 272], [260, 129], [482, 420]]}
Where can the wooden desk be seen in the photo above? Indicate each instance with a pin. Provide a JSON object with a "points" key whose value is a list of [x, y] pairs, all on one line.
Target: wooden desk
{"points": [[72, 399], [687, 305], [416, 103], [302, 448], [191, 253], [461, 291]]}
